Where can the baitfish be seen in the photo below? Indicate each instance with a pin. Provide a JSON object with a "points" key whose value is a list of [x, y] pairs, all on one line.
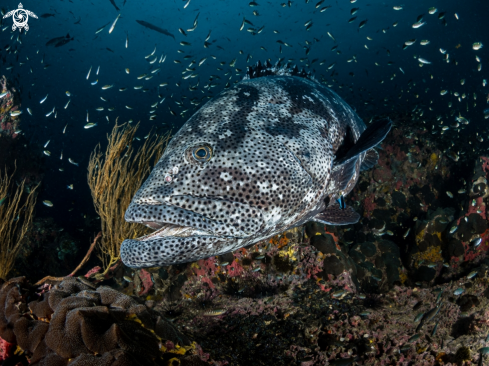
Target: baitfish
{"points": [[59, 41], [273, 152], [155, 28]]}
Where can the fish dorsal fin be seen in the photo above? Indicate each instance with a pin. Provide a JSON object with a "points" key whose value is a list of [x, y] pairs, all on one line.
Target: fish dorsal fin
{"points": [[371, 159], [373, 135], [266, 69], [334, 215]]}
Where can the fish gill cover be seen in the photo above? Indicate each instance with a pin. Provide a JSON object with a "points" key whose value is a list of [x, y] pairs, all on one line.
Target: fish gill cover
{"points": [[415, 202]]}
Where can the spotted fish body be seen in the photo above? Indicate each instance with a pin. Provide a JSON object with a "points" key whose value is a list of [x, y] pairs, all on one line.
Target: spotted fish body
{"points": [[256, 160]]}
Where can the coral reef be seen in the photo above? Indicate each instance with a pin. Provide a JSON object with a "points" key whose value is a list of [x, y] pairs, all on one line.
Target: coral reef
{"points": [[16, 153], [75, 323], [9, 105], [269, 314]]}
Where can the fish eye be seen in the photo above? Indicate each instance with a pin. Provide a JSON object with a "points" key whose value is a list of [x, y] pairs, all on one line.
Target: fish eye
{"points": [[202, 153]]}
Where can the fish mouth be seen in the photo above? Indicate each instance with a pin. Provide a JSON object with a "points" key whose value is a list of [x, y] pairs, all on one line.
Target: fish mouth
{"points": [[185, 215], [185, 235], [172, 244], [165, 229]]}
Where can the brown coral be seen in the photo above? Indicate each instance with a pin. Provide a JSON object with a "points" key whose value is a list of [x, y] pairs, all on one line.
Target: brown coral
{"points": [[76, 323]]}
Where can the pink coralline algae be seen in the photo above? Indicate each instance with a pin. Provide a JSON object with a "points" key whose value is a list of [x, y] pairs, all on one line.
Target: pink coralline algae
{"points": [[478, 208], [234, 269], [205, 267], [369, 205], [93, 271], [6, 349], [146, 282], [485, 165], [383, 172]]}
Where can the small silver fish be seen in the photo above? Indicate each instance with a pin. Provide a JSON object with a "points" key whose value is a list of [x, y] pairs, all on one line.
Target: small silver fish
{"points": [[418, 317], [339, 293], [50, 113], [476, 242], [113, 24], [458, 291], [214, 312], [484, 351], [414, 338], [406, 233]]}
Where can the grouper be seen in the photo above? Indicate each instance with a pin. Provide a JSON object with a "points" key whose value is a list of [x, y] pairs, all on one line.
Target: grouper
{"points": [[273, 152]]}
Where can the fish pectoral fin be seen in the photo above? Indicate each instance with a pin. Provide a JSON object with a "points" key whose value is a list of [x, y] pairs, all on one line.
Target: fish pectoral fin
{"points": [[334, 215], [372, 136], [371, 159], [341, 176]]}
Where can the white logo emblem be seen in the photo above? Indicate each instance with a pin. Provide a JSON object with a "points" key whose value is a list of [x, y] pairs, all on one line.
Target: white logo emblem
{"points": [[20, 17]]}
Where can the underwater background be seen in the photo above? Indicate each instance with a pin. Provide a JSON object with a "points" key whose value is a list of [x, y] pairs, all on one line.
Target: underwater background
{"points": [[346, 295]]}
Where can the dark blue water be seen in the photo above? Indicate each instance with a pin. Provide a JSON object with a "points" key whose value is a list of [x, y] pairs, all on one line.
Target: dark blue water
{"points": [[368, 82]]}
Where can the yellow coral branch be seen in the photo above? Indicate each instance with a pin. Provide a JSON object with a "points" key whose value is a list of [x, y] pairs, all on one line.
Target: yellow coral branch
{"points": [[114, 179], [15, 219]]}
